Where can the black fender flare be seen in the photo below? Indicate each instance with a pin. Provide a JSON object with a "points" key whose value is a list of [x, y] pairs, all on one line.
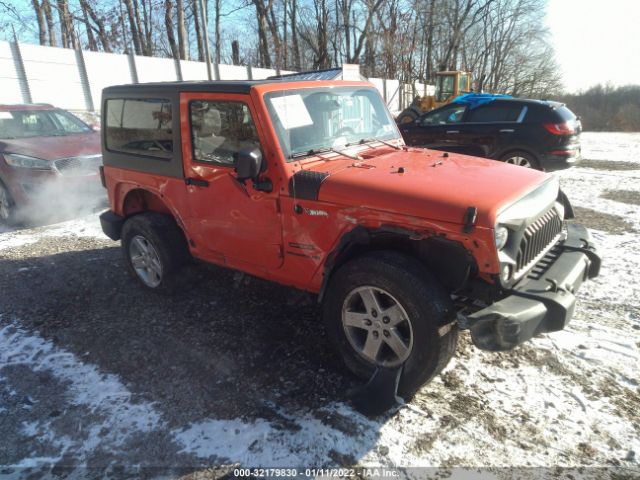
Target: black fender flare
{"points": [[452, 264]]}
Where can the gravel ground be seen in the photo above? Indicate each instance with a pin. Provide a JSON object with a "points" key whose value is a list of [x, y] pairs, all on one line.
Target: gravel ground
{"points": [[98, 376]]}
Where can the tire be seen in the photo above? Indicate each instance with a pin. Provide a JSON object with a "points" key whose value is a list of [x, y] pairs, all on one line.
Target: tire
{"points": [[7, 207], [522, 159], [155, 251], [407, 116], [427, 309]]}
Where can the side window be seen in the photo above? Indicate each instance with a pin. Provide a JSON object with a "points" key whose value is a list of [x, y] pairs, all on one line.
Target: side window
{"points": [[451, 114], [220, 129], [495, 112], [69, 124], [140, 126]]}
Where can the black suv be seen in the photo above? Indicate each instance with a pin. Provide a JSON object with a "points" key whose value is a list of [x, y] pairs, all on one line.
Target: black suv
{"points": [[531, 133]]}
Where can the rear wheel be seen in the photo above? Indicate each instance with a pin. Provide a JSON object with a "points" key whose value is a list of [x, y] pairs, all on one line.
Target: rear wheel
{"points": [[521, 159], [384, 310], [155, 250]]}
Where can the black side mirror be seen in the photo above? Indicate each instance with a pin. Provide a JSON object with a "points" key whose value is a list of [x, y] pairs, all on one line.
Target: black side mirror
{"points": [[248, 164]]}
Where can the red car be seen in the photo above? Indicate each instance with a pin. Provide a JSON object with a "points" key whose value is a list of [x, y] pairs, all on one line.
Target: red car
{"points": [[48, 158]]}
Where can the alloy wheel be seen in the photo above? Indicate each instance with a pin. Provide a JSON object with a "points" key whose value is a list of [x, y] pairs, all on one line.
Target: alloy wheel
{"points": [[377, 326], [5, 204], [145, 261], [520, 161]]}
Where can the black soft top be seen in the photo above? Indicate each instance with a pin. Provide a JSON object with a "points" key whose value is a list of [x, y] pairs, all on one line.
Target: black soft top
{"points": [[217, 86]]}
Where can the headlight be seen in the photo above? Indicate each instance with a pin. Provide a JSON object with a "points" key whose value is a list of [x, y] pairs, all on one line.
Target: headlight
{"points": [[501, 234], [24, 161]]}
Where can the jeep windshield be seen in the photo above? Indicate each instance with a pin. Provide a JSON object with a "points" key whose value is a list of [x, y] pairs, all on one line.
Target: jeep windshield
{"points": [[316, 120], [40, 123]]}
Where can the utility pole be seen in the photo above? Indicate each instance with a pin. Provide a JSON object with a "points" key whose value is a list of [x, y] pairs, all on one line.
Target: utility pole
{"points": [[205, 31]]}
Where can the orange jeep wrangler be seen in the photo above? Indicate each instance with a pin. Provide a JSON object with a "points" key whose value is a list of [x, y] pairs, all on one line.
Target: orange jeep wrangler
{"points": [[309, 184]]}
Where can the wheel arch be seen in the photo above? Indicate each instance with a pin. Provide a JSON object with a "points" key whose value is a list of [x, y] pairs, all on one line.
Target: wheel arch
{"points": [[449, 261], [139, 200]]}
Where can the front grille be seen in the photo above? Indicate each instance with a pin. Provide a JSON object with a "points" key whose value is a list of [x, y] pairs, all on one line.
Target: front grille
{"points": [[79, 166], [538, 238]]}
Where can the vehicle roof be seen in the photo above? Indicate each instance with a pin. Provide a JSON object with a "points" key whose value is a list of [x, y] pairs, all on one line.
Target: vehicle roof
{"points": [[530, 101], [224, 86], [523, 101], [26, 106]]}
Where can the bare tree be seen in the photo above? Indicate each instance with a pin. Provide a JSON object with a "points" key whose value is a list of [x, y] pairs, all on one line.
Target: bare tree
{"points": [[42, 28], [168, 22], [48, 15], [182, 45]]}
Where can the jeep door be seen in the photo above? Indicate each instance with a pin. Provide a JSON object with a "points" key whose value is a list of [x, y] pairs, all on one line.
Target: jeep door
{"points": [[230, 222], [438, 129]]}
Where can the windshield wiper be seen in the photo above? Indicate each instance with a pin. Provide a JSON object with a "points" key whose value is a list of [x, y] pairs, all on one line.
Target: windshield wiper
{"points": [[362, 141], [315, 151]]}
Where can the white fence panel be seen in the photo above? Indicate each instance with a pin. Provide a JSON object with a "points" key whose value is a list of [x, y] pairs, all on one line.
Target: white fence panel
{"points": [[232, 72], [152, 69], [194, 70], [53, 76], [9, 85], [393, 95], [379, 84], [262, 73], [105, 70]]}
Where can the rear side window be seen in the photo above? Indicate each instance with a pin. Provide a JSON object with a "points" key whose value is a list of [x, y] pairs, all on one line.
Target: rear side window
{"points": [[495, 112], [140, 126], [565, 114], [545, 113]]}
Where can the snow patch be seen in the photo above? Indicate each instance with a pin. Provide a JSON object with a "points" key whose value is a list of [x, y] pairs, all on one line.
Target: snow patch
{"points": [[102, 394]]}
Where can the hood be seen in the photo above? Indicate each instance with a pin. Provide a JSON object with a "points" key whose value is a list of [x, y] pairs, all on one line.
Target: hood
{"points": [[431, 186], [53, 148]]}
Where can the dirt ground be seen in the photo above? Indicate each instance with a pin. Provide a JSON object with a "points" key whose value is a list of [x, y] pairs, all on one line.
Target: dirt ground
{"points": [[99, 377]]}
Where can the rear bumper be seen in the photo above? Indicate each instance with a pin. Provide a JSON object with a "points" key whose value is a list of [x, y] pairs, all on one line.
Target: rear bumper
{"points": [[559, 160], [538, 305]]}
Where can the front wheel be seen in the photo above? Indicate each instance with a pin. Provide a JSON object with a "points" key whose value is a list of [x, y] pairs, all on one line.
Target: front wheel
{"points": [[385, 310], [7, 207]]}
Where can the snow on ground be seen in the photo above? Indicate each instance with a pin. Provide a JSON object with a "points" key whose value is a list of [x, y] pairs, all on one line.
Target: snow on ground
{"points": [[565, 399], [87, 226], [101, 394]]}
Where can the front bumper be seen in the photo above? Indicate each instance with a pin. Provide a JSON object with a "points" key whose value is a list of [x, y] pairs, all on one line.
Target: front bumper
{"points": [[37, 188], [540, 304]]}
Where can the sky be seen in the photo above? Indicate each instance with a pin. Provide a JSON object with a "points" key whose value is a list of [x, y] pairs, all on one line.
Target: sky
{"points": [[596, 41]]}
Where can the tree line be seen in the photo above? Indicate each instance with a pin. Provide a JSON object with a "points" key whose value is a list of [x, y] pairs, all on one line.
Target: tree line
{"points": [[504, 43], [606, 108]]}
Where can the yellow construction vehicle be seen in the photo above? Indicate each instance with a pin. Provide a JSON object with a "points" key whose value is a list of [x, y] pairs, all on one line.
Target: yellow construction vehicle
{"points": [[449, 85]]}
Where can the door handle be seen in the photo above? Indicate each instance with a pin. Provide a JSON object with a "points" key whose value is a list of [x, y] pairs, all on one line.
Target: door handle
{"points": [[196, 181], [507, 130], [453, 131]]}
